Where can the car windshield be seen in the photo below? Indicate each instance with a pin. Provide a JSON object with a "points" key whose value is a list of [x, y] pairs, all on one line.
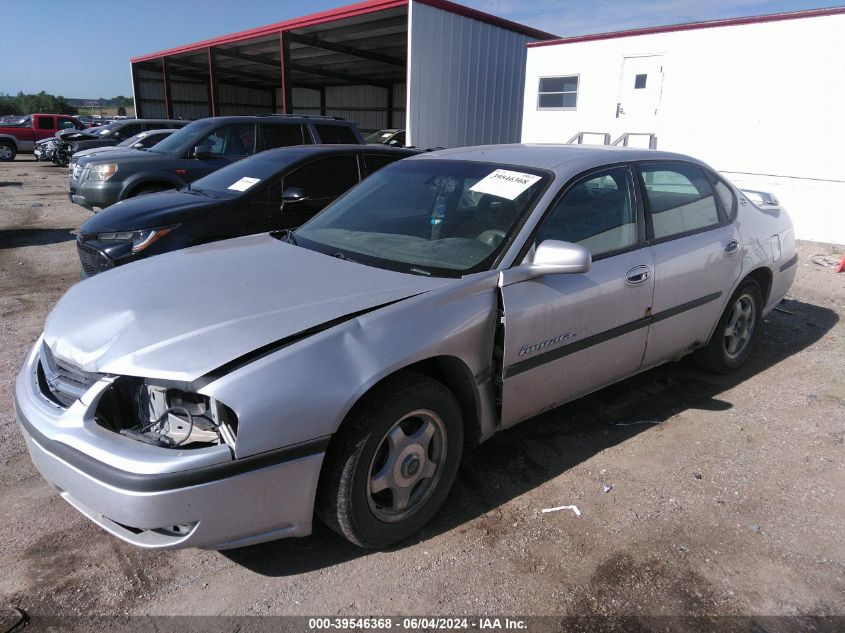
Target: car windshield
{"points": [[133, 139], [427, 217], [107, 130], [244, 175], [186, 137]]}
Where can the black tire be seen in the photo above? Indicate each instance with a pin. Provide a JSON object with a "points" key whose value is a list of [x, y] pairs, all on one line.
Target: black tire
{"points": [[8, 151], [143, 191], [718, 355], [345, 501]]}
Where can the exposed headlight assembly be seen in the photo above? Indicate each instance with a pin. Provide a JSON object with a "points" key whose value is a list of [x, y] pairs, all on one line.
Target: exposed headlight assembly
{"points": [[102, 172], [140, 238], [167, 417]]}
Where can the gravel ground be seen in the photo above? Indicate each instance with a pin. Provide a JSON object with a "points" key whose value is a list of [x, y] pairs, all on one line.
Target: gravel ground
{"points": [[730, 503]]}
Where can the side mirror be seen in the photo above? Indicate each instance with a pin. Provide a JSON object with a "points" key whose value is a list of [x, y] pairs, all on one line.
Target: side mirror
{"points": [[203, 151], [552, 257], [292, 195]]}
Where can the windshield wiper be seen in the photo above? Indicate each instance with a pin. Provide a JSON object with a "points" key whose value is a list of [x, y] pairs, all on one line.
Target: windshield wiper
{"points": [[340, 255], [285, 235]]}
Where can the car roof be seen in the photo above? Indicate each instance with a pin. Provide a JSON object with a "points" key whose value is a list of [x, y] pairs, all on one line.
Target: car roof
{"points": [[280, 118], [562, 159], [305, 151]]}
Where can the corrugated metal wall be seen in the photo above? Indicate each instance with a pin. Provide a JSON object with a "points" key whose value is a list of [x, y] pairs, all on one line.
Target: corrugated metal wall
{"points": [[399, 99], [466, 80], [366, 105], [150, 97], [241, 100], [190, 99]]}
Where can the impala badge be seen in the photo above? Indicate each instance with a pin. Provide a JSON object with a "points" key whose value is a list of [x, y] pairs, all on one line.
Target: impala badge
{"points": [[530, 349]]}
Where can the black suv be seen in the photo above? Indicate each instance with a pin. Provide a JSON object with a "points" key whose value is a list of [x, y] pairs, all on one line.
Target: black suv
{"points": [[195, 151]]}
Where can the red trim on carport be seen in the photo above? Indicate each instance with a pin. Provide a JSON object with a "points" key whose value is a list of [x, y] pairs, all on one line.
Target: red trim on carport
{"points": [[693, 26], [348, 11], [351, 10], [467, 12]]}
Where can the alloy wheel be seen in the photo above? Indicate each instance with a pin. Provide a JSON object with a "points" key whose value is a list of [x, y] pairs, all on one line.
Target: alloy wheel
{"points": [[740, 326], [407, 465]]}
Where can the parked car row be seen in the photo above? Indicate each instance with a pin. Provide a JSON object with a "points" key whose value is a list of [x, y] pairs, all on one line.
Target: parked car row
{"points": [[21, 137], [276, 189], [198, 149], [224, 391]]}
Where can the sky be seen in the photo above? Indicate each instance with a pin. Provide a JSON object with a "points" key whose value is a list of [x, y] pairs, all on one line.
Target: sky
{"points": [[81, 49]]}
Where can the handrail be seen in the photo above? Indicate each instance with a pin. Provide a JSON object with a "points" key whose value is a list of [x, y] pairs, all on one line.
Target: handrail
{"points": [[623, 139], [579, 138]]}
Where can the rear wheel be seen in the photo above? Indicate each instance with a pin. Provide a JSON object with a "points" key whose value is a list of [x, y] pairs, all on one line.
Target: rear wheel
{"points": [[7, 151], [393, 462], [732, 340]]}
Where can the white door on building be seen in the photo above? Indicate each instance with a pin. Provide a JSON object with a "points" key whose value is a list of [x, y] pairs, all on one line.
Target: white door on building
{"points": [[639, 93]]}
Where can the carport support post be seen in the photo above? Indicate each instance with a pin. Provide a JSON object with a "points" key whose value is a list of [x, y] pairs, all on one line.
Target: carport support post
{"points": [[168, 101], [213, 94], [287, 94], [136, 91], [389, 106]]}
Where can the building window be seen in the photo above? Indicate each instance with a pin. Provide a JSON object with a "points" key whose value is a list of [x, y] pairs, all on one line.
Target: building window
{"points": [[639, 82], [558, 93]]}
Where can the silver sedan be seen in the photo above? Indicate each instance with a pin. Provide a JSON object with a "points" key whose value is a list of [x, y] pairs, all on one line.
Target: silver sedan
{"points": [[221, 395]]}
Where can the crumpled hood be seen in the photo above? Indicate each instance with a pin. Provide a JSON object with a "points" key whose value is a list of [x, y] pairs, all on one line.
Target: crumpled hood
{"points": [[182, 314]]}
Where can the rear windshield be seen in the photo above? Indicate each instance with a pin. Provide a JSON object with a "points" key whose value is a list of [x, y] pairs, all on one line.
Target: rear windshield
{"points": [[244, 175]]}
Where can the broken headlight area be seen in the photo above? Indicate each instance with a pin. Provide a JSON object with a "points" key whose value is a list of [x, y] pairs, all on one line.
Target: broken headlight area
{"points": [[165, 416]]}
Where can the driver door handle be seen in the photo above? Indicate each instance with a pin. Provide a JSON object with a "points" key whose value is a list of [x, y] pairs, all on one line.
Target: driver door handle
{"points": [[637, 275]]}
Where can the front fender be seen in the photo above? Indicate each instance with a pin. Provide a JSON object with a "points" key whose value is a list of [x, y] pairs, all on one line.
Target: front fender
{"points": [[10, 137], [135, 182], [305, 390]]}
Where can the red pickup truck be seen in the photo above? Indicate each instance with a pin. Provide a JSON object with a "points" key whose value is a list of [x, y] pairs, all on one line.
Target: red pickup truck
{"points": [[21, 138]]}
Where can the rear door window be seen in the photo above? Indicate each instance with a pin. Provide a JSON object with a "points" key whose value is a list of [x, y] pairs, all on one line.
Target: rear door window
{"points": [[45, 123], [326, 178], [335, 133], [282, 135], [374, 162], [680, 199]]}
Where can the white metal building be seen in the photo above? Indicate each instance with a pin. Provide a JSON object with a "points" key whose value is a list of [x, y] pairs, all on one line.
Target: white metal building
{"points": [[761, 99], [449, 74]]}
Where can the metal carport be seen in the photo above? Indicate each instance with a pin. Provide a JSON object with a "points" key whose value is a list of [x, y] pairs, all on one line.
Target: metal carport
{"points": [[448, 74]]}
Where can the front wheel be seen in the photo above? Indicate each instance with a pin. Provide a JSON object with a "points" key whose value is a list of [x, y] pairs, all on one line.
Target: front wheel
{"points": [[143, 191], [393, 462], [731, 341]]}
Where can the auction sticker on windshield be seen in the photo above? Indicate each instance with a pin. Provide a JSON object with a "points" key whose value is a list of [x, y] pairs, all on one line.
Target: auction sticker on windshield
{"points": [[244, 183], [505, 184]]}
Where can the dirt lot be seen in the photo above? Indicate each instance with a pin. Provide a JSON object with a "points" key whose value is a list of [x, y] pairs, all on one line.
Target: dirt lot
{"points": [[734, 504]]}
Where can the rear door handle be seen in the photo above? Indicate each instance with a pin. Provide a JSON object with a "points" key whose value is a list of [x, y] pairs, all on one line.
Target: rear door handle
{"points": [[731, 247], [637, 275]]}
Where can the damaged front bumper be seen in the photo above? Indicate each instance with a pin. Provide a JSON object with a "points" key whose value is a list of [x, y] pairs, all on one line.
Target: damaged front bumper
{"points": [[164, 498]]}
